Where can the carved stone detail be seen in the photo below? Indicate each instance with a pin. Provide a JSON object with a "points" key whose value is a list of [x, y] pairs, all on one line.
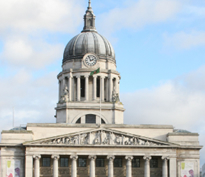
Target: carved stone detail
{"points": [[55, 157], [103, 138], [111, 157], [92, 157], [74, 157], [129, 158], [65, 95], [147, 158], [37, 157], [165, 158]]}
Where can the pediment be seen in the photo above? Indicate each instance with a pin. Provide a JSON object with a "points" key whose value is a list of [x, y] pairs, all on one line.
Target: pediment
{"points": [[99, 137]]}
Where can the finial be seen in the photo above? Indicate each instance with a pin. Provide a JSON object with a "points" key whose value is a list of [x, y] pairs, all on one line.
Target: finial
{"points": [[89, 4]]}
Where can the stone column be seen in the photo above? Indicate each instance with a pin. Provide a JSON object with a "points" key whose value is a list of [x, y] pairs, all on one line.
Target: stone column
{"points": [[110, 88], [92, 165], [94, 87], [110, 165], [117, 85], [164, 167], [37, 165], [102, 88], [70, 88], [55, 165], [63, 83], [107, 89], [147, 166], [86, 88], [129, 166], [59, 95], [78, 88], [74, 165]]}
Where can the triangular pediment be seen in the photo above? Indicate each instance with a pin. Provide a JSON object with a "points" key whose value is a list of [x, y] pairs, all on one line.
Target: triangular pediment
{"points": [[99, 137]]}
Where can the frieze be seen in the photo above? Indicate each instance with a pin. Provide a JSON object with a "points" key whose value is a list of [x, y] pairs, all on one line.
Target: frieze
{"points": [[101, 138]]}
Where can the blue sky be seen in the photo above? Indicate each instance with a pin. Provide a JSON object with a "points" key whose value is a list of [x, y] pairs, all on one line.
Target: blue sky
{"points": [[159, 46]]}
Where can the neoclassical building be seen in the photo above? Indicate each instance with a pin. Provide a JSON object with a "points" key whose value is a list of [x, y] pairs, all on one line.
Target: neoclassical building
{"points": [[89, 138]]}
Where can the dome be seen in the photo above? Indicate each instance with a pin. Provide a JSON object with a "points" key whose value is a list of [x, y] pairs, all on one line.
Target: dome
{"points": [[181, 131], [19, 128], [89, 42]]}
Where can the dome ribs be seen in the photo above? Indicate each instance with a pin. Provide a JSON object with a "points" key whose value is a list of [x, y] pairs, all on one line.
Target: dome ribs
{"points": [[96, 44], [89, 42]]}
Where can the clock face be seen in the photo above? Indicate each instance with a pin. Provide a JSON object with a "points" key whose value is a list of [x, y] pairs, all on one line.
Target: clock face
{"points": [[91, 60]]}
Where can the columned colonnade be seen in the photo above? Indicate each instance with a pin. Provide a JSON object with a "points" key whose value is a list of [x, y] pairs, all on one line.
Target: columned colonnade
{"points": [[75, 91], [92, 165]]}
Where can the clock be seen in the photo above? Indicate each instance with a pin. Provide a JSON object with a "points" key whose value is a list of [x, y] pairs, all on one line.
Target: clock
{"points": [[91, 60]]}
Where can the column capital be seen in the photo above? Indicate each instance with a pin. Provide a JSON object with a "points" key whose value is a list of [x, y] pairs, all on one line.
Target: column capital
{"points": [[111, 157], [55, 157], [95, 76], [165, 158], [86, 76], [37, 157], [129, 158], [74, 157], [92, 157], [77, 77], [102, 77], [147, 158]]}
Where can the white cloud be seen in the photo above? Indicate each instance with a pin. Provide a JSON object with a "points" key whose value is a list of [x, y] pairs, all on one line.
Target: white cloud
{"points": [[33, 99], [50, 15], [20, 51], [138, 14], [197, 11], [179, 102], [23, 25], [183, 40]]}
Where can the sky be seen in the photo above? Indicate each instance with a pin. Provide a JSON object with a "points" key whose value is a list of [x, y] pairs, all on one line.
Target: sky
{"points": [[159, 46]]}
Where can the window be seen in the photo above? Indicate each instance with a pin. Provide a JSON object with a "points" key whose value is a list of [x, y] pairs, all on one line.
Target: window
{"points": [[78, 121], [154, 163], [100, 162], [102, 121], [91, 22], [136, 163], [82, 162], [98, 87], [90, 119], [118, 162], [82, 89], [46, 161], [64, 162]]}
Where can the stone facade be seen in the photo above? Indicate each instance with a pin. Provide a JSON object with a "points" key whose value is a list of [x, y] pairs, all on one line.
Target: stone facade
{"points": [[106, 142], [89, 138]]}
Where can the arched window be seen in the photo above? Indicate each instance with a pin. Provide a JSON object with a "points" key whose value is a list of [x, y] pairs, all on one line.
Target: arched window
{"points": [[78, 121], [91, 22], [90, 119]]}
